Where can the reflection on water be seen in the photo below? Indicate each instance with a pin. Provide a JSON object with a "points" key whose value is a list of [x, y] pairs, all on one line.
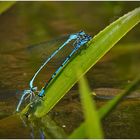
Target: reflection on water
{"points": [[26, 24]]}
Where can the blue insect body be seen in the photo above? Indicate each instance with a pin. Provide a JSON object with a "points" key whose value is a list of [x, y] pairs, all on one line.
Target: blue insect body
{"points": [[80, 39], [79, 42]]}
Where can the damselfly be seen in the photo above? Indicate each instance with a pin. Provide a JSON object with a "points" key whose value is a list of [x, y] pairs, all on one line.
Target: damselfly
{"points": [[73, 40]]}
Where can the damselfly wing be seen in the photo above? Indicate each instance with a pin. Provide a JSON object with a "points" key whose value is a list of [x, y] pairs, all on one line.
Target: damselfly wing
{"points": [[39, 53]]}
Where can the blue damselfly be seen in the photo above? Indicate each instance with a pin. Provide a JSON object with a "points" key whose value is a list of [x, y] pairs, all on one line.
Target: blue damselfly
{"points": [[73, 43]]}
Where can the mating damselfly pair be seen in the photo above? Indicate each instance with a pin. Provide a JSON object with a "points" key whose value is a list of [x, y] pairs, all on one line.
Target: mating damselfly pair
{"points": [[73, 43]]}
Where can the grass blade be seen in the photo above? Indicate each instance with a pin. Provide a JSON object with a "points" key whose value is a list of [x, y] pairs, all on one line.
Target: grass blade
{"points": [[93, 127], [5, 5], [97, 48], [106, 109]]}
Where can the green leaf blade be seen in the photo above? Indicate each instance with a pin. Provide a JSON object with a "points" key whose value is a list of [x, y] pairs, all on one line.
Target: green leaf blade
{"points": [[78, 132], [5, 5], [107, 108], [93, 127]]}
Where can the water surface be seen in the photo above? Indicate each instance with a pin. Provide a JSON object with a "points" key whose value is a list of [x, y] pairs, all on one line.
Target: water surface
{"points": [[25, 24]]}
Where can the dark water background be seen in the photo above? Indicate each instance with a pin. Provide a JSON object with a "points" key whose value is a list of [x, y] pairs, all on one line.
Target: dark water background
{"points": [[28, 23]]}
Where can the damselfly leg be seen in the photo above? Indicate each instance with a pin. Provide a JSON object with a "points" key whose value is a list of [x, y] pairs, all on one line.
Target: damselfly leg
{"points": [[26, 94]]}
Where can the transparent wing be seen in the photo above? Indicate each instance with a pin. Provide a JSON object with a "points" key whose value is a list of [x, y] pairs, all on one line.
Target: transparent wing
{"points": [[43, 50], [39, 53]]}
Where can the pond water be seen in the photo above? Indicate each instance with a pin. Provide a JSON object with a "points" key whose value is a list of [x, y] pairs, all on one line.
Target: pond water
{"points": [[25, 24]]}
